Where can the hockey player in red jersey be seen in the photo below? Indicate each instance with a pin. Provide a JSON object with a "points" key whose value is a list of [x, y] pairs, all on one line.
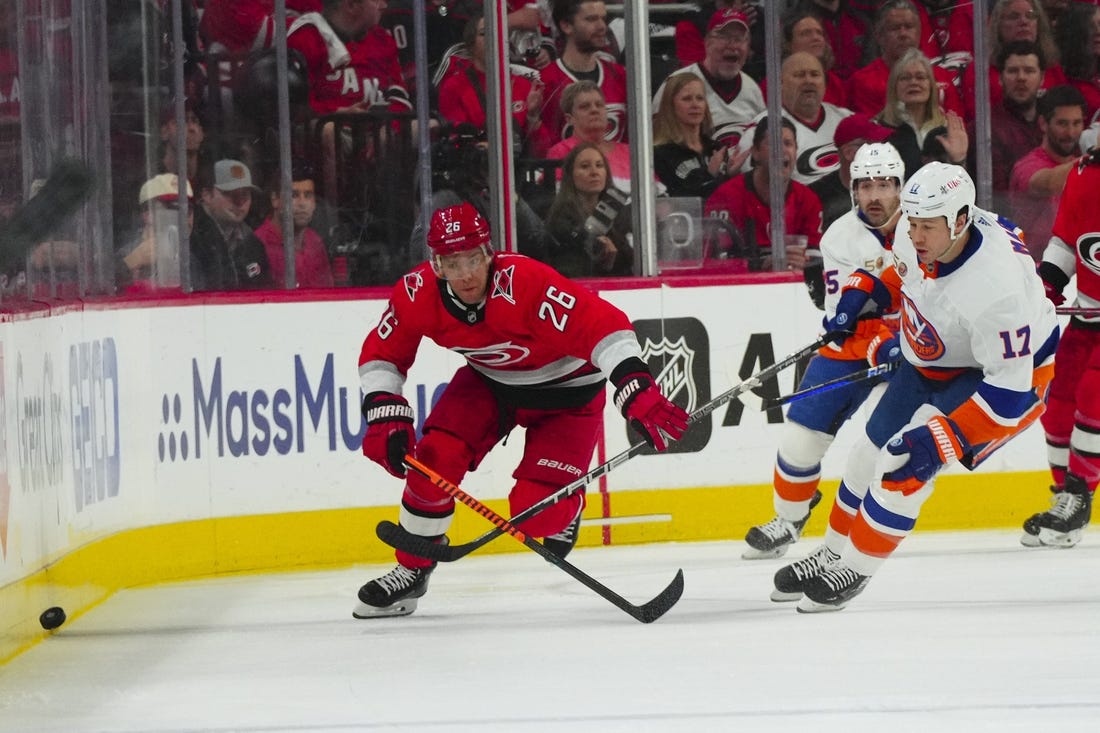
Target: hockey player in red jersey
{"points": [[538, 348], [1072, 419]]}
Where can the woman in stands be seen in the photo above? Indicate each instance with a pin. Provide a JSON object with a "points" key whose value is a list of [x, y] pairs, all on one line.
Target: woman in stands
{"points": [[589, 220], [685, 157]]}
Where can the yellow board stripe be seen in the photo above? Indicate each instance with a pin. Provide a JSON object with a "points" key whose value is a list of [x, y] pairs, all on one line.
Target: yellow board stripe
{"points": [[89, 574]]}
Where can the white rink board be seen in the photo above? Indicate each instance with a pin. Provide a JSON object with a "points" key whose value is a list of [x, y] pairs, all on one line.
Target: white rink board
{"points": [[100, 404]]}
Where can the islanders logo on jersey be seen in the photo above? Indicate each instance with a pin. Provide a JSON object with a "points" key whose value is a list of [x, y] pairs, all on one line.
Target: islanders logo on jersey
{"points": [[919, 333]]}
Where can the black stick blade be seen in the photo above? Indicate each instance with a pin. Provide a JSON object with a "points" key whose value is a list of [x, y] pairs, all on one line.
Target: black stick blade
{"points": [[398, 538], [652, 610]]}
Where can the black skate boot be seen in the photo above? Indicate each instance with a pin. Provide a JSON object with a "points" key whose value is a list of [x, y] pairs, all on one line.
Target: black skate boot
{"points": [[561, 544], [790, 580], [1063, 524], [394, 594], [770, 540], [831, 589]]}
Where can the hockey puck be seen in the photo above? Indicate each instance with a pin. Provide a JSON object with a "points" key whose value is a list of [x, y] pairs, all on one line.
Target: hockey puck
{"points": [[52, 617]]}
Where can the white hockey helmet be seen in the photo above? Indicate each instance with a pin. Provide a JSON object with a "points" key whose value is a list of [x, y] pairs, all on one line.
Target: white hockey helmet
{"points": [[940, 189], [875, 160]]}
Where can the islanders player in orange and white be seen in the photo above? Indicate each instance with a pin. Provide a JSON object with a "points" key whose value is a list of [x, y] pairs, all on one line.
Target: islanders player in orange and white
{"points": [[978, 337], [856, 250]]}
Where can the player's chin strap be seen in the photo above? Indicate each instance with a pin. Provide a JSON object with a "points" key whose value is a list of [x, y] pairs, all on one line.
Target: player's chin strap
{"points": [[397, 537], [647, 612]]}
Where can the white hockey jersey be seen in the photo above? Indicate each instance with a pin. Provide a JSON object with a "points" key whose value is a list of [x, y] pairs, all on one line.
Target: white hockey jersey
{"points": [[731, 117], [817, 153], [984, 310], [847, 246]]}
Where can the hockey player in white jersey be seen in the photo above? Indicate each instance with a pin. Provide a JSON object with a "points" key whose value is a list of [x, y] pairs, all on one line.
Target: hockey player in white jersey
{"points": [[978, 338], [856, 248]]}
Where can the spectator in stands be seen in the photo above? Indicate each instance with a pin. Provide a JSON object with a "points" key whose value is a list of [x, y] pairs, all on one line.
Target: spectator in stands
{"points": [[803, 31], [462, 95], [692, 30], [589, 222], [745, 201], [312, 268], [733, 97], [585, 112], [1014, 21], [835, 189], [1039, 177], [897, 30], [353, 67], [686, 158], [460, 173], [913, 111], [1014, 129], [847, 25], [947, 35], [802, 90], [152, 260], [583, 25], [1076, 38], [352, 59], [194, 137], [225, 252]]}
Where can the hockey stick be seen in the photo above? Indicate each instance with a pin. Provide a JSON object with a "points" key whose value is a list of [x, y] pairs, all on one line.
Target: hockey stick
{"points": [[853, 378], [1070, 310], [396, 536], [646, 613]]}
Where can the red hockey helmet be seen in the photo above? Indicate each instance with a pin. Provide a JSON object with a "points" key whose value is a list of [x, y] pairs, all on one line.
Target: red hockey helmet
{"points": [[457, 229]]}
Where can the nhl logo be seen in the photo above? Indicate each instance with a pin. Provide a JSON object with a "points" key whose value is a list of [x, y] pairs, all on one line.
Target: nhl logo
{"points": [[671, 364]]}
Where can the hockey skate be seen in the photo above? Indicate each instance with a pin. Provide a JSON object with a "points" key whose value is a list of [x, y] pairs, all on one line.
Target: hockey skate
{"points": [[561, 544], [831, 589], [790, 580], [394, 594], [774, 538], [1064, 523]]}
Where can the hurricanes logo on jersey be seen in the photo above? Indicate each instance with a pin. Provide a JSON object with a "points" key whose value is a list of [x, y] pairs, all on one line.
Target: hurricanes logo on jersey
{"points": [[502, 284], [496, 355], [818, 160], [922, 337], [1088, 250]]}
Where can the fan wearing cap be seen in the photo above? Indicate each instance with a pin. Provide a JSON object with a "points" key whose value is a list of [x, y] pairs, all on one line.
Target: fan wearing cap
{"points": [[225, 253], [538, 349], [835, 189], [149, 261], [978, 339], [733, 97]]}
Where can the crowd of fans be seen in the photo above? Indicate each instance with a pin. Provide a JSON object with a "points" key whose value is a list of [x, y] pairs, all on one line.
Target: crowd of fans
{"points": [[852, 71]]}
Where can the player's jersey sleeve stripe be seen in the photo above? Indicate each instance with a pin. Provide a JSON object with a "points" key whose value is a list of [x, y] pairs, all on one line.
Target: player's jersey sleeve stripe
{"points": [[380, 376], [614, 348], [1061, 255], [980, 421]]}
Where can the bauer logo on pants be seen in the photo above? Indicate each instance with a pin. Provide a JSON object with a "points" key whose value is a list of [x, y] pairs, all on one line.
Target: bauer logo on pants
{"points": [[677, 351]]}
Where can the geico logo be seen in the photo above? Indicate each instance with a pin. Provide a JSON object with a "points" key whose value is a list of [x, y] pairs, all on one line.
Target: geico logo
{"points": [[560, 465], [40, 409], [93, 400]]}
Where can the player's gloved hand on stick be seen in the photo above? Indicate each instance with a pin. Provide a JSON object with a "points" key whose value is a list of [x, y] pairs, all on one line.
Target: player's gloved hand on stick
{"points": [[389, 431], [1054, 282], [929, 447], [644, 407], [863, 293], [883, 349]]}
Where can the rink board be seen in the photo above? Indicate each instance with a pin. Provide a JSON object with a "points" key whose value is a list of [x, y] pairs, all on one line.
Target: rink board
{"points": [[143, 444]]}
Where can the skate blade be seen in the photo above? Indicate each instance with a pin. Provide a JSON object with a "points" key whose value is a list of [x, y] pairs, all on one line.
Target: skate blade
{"points": [[402, 608], [781, 597], [1062, 540], [1030, 540], [806, 605], [751, 553]]}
